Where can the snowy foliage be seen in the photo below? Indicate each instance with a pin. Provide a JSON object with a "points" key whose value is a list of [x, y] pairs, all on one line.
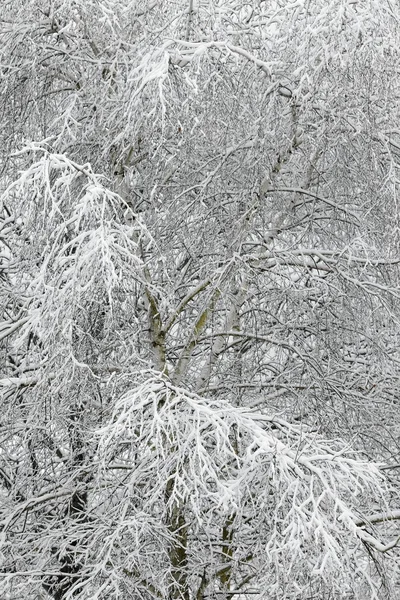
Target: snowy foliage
{"points": [[200, 323]]}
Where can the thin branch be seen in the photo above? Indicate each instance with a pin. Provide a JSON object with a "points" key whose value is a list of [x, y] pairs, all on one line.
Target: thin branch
{"points": [[189, 21], [189, 296], [316, 197], [383, 517]]}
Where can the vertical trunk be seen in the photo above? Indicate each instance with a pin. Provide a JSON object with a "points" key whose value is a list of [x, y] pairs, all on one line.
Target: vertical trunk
{"points": [[177, 527], [76, 512], [227, 552]]}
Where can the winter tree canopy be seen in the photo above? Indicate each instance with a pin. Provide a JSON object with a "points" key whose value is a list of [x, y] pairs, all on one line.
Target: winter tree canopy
{"points": [[200, 299]]}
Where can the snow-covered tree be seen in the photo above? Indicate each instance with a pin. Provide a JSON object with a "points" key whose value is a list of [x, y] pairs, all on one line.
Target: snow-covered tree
{"points": [[199, 293]]}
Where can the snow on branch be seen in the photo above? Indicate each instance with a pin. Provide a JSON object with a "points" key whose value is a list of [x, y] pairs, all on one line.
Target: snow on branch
{"points": [[81, 242], [300, 496]]}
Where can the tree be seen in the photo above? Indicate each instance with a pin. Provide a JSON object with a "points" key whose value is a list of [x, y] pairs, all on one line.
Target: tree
{"points": [[200, 300]]}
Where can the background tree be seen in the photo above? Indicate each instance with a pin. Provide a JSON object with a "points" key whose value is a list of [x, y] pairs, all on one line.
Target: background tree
{"points": [[200, 291]]}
